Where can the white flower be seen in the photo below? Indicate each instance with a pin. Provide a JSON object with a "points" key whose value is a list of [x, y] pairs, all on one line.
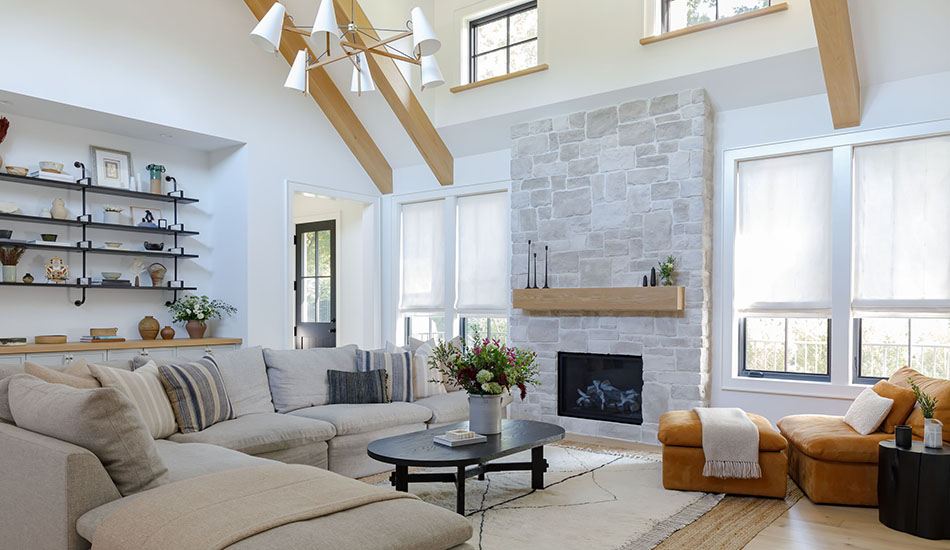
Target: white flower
{"points": [[201, 316], [486, 387]]}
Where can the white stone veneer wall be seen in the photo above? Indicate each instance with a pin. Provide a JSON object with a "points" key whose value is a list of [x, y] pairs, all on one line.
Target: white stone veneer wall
{"points": [[612, 192]]}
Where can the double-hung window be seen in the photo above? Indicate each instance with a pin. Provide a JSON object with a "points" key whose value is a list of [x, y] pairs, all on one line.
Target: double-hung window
{"points": [[503, 42], [679, 14], [422, 269], [482, 280], [783, 265]]}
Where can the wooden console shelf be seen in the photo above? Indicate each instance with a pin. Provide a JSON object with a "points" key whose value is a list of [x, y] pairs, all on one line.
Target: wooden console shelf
{"points": [[614, 300], [128, 344]]}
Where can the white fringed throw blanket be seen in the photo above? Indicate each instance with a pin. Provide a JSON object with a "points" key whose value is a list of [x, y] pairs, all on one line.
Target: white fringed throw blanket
{"points": [[730, 443]]}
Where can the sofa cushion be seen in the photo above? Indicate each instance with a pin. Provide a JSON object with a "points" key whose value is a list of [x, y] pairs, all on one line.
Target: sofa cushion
{"points": [[868, 411], [261, 433], [683, 429], [355, 419], [197, 394], [75, 374], [937, 388], [398, 367], [144, 388], [245, 377], [5, 415], [188, 460], [298, 378], [829, 438], [904, 401], [446, 407], [102, 420]]}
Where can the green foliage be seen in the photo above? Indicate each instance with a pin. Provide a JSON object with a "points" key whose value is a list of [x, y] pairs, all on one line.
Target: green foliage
{"points": [[199, 308], [927, 403], [486, 367], [668, 271]]}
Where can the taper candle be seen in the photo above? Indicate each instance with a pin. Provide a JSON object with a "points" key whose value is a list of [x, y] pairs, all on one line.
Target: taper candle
{"points": [[546, 266], [535, 270], [529, 264]]}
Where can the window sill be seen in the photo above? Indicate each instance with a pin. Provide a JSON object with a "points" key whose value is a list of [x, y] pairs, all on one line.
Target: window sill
{"points": [[502, 78], [794, 388], [713, 24]]}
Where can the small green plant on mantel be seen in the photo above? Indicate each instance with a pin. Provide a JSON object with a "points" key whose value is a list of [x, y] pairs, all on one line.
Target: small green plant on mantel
{"points": [[927, 403], [668, 271]]}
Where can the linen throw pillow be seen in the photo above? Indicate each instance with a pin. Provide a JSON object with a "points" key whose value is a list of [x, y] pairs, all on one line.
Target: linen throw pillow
{"points": [[398, 367], [868, 411], [427, 380], [904, 401], [197, 394], [298, 377], [76, 375], [358, 387], [102, 420], [144, 388]]}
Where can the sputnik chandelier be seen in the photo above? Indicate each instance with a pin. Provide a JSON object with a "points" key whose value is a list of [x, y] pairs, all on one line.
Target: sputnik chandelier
{"points": [[267, 35]]}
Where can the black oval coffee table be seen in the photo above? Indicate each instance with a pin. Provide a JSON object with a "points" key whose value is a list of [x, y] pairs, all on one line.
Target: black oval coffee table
{"points": [[418, 449], [913, 489]]}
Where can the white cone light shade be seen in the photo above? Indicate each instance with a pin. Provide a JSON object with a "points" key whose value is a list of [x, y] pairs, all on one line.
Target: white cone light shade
{"points": [[424, 40], [297, 79], [325, 24], [431, 75], [362, 80], [267, 33]]}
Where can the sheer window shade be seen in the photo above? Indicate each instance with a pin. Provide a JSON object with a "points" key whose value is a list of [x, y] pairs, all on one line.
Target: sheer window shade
{"points": [[902, 221], [483, 254], [783, 233], [422, 265]]}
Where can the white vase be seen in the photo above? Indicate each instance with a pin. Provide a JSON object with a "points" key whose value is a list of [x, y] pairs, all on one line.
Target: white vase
{"points": [[112, 217], [933, 433], [9, 273], [484, 414]]}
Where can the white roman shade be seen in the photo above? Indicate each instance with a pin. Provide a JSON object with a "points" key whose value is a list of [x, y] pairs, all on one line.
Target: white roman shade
{"points": [[422, 265], [483, 254], [902, 223], [783, 233]]}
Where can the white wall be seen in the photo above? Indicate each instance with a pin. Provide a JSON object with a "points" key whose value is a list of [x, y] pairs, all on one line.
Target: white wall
{"points": [[908, 101]]}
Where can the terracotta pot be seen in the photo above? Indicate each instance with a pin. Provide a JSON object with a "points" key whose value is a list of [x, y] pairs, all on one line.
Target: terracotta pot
{"points": [[168, 333], [148, 328], [196, 329]]}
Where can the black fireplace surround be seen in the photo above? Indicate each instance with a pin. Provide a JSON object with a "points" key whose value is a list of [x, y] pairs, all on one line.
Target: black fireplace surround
{"points": [[600, 387]]}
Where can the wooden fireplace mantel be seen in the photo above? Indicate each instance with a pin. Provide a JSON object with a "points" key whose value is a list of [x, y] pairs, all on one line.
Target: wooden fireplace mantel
{"points": [[612, 300]]}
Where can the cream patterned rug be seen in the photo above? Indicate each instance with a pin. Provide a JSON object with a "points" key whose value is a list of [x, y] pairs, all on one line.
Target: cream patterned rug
{"points": [[591, 499]]}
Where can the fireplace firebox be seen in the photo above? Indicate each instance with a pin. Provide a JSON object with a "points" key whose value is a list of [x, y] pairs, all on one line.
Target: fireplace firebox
{"points": [[600, 387]]}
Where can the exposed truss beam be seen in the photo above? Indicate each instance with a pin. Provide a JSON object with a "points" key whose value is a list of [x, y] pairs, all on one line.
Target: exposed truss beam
{"points": [[836, 47]]}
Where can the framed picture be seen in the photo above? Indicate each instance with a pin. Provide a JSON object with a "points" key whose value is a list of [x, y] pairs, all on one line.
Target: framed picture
{"points": [[112, 168], [145, 217]]}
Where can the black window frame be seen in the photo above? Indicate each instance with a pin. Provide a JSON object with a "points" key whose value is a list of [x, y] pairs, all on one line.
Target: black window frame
{"points": [[665, 14], [463, 328], [801, 376], [857, 376], [473, 25]]}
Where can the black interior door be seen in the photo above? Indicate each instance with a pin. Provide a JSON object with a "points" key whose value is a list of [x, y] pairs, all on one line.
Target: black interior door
{"points": [[315, 286]]}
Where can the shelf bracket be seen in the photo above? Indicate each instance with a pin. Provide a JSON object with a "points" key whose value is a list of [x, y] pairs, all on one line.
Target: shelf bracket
{"points": [[84, 180], [174, 298], [79, 303]]}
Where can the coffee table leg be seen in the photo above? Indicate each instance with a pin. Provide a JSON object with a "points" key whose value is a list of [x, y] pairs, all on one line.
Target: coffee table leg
{"points": [[538, 466], [460, 490], [402, 478]]}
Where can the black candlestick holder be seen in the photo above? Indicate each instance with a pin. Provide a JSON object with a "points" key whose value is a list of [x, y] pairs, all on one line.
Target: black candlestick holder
{"points": [[546, 266], [535, 270], [529, 266]]}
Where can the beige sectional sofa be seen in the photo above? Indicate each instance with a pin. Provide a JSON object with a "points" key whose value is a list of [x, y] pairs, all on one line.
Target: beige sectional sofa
{"points": [[49, 486]]}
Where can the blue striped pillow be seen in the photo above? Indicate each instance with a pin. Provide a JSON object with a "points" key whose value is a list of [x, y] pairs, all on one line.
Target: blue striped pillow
{"points": [[397, 365], [197, 394]]}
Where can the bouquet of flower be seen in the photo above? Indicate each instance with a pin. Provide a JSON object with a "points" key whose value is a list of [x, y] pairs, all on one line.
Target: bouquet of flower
{"points": [[486, 367], [199, 308]]}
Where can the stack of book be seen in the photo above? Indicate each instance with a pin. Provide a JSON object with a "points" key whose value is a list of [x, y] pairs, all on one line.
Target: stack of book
{"points": [[102, 335], [114, 282], [459, 438], [44, 175]]}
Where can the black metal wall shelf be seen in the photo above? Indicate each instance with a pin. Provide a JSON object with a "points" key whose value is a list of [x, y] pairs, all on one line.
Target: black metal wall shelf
{"points": [[116, 251], [97, 189], [95, 225], [97, 287]]}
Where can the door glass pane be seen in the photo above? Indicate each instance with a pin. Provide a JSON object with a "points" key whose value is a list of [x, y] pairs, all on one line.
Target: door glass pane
{"points": [[808, 346], [491, 64], [524, 25], [930, 347], [765, 344], [323, 299], [883, 346], [491, 36], [308, 260], [323, 253], [308, 306], [524, 56]]}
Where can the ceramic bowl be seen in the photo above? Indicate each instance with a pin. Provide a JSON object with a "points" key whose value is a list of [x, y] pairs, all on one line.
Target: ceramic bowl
{"points": [[6, 233], [49, 237], [113, 244], [50, 166], [17, 170], [154, 246], [110, 275]]}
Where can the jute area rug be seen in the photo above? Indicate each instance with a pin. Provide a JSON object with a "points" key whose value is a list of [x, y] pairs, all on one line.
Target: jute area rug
{"points": [[599, 498]]}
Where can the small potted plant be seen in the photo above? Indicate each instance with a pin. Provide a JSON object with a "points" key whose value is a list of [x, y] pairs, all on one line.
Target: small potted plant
{"points": [[933, 428], [112, 214], [10, 257], [668, 271], [486, 369], [196, 311]]}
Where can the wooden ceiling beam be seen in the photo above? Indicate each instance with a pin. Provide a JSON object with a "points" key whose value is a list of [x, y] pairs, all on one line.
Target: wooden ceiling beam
{"points": [[836, 47], [335, 107], [397, 92]]}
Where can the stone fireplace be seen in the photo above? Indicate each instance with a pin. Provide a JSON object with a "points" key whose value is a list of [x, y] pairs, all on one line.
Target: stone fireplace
{"points": [[613, 192], [600, 387]]}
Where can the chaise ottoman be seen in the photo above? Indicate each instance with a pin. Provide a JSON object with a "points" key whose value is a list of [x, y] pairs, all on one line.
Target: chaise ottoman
{"points": [[681, 434]]}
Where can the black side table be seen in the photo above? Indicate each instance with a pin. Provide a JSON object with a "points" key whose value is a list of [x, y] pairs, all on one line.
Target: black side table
{"points": [[913, 489]]}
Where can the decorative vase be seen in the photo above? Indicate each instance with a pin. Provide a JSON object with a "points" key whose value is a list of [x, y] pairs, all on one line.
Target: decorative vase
{"points": [[196, 329], [933, 433], [903, 436], [484, 414], [148, 328], [157, 272], [58, 210], [9, 273], [168, 333], [111, 216], [28, 279]]}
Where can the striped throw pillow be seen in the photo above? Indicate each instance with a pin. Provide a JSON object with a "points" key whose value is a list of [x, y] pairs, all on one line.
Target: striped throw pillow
{"points": [[398, 367], [143, 388], [197, 394], [357, 387]]}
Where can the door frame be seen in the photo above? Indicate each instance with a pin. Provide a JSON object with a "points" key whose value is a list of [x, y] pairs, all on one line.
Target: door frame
{"points": [[371, 280], [316, 220]]}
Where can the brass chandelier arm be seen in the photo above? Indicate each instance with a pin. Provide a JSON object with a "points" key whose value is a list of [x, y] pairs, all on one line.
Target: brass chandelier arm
{"points": [[368, 49], [385, 53]]}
